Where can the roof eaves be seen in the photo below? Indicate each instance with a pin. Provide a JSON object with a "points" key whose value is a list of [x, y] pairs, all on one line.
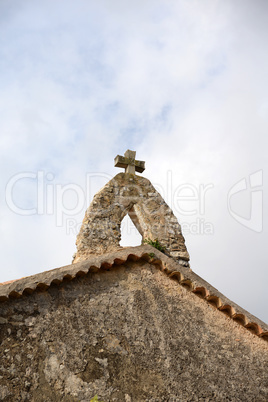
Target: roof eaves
{"points": [[183, 275]]}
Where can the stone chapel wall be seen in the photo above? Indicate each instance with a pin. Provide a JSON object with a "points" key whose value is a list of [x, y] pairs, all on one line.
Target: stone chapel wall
{"points": [[128, 334]]}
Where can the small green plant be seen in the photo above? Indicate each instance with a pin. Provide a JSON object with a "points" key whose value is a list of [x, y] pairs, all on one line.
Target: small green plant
{"points": [[95, 399], [155, 243], [152, 255]]}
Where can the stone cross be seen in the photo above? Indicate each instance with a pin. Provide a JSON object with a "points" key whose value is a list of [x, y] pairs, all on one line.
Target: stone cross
{"points": [[129, 163]]}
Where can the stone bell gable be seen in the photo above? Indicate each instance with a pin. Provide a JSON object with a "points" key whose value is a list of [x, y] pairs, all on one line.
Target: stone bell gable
{"points": [[134, 195]]}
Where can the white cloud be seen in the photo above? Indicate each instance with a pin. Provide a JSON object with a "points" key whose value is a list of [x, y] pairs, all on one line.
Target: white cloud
{"points": [[184, 83]]}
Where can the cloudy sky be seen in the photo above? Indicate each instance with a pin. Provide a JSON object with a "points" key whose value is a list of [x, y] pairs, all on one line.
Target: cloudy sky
{"points": [[184, 83]]}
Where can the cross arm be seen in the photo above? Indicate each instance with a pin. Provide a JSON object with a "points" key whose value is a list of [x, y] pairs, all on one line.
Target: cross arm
{"points": [[120, 161], [123, 162]]}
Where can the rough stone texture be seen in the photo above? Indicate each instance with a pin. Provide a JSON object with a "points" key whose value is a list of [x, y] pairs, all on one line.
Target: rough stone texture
{"points": [[183, 275], [129, 333], [136, 196]]}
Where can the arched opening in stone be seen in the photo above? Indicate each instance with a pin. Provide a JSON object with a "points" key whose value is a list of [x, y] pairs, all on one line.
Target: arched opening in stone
{"points": [[129, 233]]}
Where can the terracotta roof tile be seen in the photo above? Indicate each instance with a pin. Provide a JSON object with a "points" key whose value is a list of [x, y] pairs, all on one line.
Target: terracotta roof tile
{"points": [[183, 275]]}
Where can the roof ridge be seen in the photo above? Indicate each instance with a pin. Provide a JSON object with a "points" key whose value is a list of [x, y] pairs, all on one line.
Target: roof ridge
{"points": [[183, 275]]}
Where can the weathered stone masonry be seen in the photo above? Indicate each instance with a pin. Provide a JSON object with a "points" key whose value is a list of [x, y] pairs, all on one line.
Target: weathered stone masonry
{"points": [[120, 327], [134, 195]]}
